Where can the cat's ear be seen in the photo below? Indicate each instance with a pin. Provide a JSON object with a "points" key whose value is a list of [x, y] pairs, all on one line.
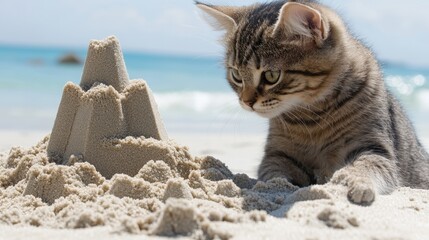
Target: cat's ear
{"points": [[220, 17], [299, 19]]}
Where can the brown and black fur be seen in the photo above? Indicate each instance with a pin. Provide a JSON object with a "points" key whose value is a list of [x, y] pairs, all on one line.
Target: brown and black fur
{"points": [[347, 128]]}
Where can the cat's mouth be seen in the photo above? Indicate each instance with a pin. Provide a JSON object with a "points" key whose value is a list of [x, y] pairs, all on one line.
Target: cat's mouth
{"points": [[268, 113], [269, 108]]}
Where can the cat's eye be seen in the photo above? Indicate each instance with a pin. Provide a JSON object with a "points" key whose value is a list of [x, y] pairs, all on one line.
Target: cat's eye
{"points": [[271, 77], [236, 76]]}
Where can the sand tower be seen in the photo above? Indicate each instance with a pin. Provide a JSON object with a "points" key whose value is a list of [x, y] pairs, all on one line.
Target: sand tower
{"points": [[103, 120]]}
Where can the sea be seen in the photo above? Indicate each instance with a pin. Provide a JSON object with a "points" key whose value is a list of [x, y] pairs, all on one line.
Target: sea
{"points": [[191, 91]]}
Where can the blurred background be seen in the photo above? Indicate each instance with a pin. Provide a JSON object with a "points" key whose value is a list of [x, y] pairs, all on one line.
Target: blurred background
{"points": [[168, 44]]}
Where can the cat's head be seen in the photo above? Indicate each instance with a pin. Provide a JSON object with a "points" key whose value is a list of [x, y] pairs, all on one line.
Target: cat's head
{"points": [[279, 55]]}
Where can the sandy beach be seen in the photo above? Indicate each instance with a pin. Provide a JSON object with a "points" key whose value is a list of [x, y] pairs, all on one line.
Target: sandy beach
{"points": [[45, 200], [111, 171]]}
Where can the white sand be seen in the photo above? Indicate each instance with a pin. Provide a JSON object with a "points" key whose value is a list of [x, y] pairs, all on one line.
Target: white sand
{"points": [[49, 200], [15, 138]]}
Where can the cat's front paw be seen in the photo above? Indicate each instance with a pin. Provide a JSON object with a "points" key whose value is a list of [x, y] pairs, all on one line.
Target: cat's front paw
{"points": [[360, 190], [271, 175]]}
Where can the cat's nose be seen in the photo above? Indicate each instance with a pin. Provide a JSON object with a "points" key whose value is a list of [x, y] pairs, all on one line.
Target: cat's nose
{"points": [[249, 103]]}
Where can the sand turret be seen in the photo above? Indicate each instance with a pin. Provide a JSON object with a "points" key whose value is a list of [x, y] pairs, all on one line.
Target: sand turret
{"points": [[104, 64], [103, 120]]}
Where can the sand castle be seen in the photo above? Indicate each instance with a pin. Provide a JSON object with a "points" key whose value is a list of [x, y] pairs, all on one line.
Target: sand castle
{"points": [[104, 120]]}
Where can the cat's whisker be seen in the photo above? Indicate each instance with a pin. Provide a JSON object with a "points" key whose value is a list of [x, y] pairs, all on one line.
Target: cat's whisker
{"points": [[284, 124], [311, 117], [307, 108], [302, 125]]}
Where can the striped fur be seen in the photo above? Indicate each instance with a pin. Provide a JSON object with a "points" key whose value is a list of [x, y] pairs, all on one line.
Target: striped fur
{"points": [[331, 117]]}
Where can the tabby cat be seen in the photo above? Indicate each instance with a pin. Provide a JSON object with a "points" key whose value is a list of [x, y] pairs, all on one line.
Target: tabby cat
{"points": [[331, 117]]}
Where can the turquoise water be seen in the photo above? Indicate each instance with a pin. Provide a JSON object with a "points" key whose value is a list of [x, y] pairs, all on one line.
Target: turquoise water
{"points": [[191, 91], [37, 69]]}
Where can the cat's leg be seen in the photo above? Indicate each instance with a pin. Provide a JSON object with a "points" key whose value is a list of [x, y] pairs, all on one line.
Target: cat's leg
{"points": [[277, 165], [366, 176]]}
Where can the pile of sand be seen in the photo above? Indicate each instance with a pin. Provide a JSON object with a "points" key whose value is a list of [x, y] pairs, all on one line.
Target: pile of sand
{"points": [[196, 197], [164, 198], [156, 201]]}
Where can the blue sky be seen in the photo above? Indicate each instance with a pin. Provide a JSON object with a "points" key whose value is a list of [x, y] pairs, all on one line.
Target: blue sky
{"points": [[397, 30]]}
